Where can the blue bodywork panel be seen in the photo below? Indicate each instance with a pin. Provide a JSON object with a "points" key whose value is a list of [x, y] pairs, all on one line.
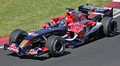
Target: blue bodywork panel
{"points": [[48, 31]]}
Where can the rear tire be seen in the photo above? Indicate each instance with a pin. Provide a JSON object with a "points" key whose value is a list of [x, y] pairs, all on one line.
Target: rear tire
{"points": [[17, 36], [109, 26], [56, 45]]}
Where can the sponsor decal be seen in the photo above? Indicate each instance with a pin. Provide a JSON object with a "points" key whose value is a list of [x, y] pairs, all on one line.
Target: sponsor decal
{"points": [[94, 8], [34, 34], [34, 51], [13, 48]]}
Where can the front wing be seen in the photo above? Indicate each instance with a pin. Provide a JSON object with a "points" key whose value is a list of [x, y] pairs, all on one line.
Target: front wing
{"points": [[26, 50]]}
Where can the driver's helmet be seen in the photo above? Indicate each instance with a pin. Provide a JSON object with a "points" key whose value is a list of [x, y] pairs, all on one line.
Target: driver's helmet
{"points": [[61, 22]]}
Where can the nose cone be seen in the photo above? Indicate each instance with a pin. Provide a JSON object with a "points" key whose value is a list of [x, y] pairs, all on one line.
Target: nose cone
{"points": [[23, 43]]}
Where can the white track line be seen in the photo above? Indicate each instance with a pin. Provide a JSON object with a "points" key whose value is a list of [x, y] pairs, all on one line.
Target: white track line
{"points": [[1, 46]]}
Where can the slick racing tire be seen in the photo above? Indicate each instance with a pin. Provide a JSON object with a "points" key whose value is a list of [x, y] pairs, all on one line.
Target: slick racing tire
{"points": [[17, 36], [109, 26], [56, 45]]}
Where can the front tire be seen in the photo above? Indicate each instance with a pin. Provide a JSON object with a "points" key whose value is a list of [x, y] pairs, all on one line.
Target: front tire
{"points": [[17, 36], [109, 26], [56, 45]]}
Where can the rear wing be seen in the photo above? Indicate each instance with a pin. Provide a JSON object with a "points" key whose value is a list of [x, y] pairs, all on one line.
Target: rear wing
{"points": [[86, 9]]}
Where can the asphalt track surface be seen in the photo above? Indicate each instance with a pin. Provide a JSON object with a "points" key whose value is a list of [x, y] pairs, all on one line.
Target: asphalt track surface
{"points": [[101, 52]]}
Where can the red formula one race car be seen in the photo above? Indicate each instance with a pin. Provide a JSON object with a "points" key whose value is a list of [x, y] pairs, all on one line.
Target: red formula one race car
{"points": [[76, 28]]}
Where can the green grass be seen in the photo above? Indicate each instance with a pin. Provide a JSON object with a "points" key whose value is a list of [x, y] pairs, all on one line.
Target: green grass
{"points": [[30, 15]]}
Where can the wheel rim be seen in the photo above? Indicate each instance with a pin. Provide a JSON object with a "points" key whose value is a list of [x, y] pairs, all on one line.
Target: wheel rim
{"points": [[112, 29], [59, 47]]}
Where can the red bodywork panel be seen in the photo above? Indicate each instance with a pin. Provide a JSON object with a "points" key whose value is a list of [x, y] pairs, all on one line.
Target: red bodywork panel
{"points": [[72, 17], [80, 29], [45, 25], [56, 20], [53, 21], [91, 16], [45, 49], [76, 27], [77, 22]]}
